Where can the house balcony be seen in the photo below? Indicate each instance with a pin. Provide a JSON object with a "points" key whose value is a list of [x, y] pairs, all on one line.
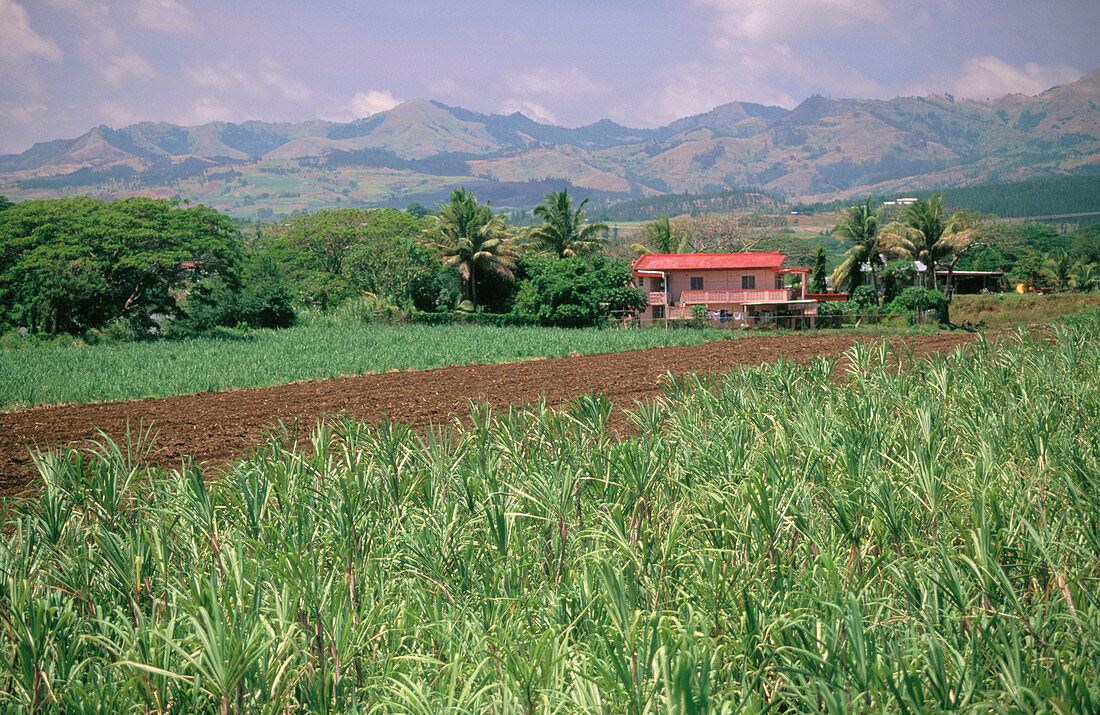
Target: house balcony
{"points": [[655, 298], [738, 297]]}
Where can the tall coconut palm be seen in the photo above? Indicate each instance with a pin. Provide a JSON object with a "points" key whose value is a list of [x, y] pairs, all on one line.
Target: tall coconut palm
{"points": [[472, 239], [860, 225], [925, 234], [563, 230], [660, 236]]}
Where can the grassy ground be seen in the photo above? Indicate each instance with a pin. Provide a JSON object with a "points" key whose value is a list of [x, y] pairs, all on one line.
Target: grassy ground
{"points": [[919, 539], [58, 374], [52, 374], [1003, 309]]}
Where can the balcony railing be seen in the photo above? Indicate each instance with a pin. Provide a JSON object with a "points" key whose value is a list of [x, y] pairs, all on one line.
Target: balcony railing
{"points": [[655, 298], [718, 297]]}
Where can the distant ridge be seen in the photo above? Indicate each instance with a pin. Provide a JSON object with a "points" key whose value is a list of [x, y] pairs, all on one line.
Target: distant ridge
{"points": [[822, 149]]}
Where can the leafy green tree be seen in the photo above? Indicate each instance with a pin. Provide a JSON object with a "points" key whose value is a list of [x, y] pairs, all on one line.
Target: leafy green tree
{"points": [[926, 234], [71, 265], [264, 299], [5, 203], [418, 210], [1085, 244], [865, 299], [332, 254], [859, 225], [1028, 270], [897, 276], [563, 231], [817, 281], [660, 236], [571, 292], [471, 239]]}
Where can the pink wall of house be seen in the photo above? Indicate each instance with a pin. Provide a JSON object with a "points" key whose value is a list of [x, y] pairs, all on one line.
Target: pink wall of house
{"points": [[680, 281]]}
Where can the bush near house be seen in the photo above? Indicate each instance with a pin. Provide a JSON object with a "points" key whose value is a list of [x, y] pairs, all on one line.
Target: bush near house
{"points": [[916, 301], [573, 293]]}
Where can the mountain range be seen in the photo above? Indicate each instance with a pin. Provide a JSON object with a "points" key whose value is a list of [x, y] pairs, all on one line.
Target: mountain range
{"points": [[822, 149]]}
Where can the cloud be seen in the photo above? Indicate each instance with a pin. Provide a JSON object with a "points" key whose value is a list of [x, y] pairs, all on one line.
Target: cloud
{"points": [[987, 77], [530, 110], [116, 115], [554, 83], [766, 21], [696, 87], [17, 38], [231, 78], [165, 16], [123, 65], [373, 101], [445, 87], [22, 113], [775, 54], [274, 75], [205, 110]]}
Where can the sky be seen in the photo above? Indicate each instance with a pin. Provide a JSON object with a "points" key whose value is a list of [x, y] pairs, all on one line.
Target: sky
{"points": [[69, 65]]}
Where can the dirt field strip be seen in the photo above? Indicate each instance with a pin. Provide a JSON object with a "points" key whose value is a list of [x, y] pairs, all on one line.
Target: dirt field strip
{"points": [[216, 427]]}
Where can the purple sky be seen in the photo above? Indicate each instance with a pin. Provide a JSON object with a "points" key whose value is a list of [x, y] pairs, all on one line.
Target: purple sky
{"points": [[68, 65]]}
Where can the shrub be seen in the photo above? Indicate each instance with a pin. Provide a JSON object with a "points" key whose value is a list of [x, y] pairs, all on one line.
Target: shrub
{"points": [[897, 277], [830, 314], [368, 308], [267, 305], [495, 319], [865, 299], [699, 316], [915, 301]]}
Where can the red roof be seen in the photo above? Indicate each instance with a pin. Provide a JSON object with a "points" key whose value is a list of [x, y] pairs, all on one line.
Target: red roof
{"points": [[706, 261]]}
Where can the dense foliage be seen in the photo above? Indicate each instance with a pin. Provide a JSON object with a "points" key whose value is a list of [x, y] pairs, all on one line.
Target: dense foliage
{"points": [[572, 292], [472, 240], [1038, 197], [72, 265], [922, 538], [915, 301], [333, 254]]}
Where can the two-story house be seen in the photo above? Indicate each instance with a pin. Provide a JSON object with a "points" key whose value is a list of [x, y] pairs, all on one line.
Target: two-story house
{"points": [[746, 288]]}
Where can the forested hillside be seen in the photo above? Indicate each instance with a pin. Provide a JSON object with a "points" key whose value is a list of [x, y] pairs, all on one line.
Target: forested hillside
{"points": [[1039, 197]]}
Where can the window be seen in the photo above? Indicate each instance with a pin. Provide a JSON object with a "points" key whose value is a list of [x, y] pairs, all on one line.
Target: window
{"points": [[696, 283], [641, 282], [748, 282], [658, 312], [779, 280]]}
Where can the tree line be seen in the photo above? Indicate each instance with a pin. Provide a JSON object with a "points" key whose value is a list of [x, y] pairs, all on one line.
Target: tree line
{"points": [[927, 232], [138, 268]]}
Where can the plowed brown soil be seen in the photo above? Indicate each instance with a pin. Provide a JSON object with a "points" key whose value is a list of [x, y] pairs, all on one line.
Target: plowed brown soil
{"points": [[216, 427]]}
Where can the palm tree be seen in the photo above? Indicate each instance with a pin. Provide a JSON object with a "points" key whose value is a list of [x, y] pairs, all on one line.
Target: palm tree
{"points": [[1059, 268], [471, 238], [924, 234], [659, 236], [1084, 276], [859, 225], [563, 231]]}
